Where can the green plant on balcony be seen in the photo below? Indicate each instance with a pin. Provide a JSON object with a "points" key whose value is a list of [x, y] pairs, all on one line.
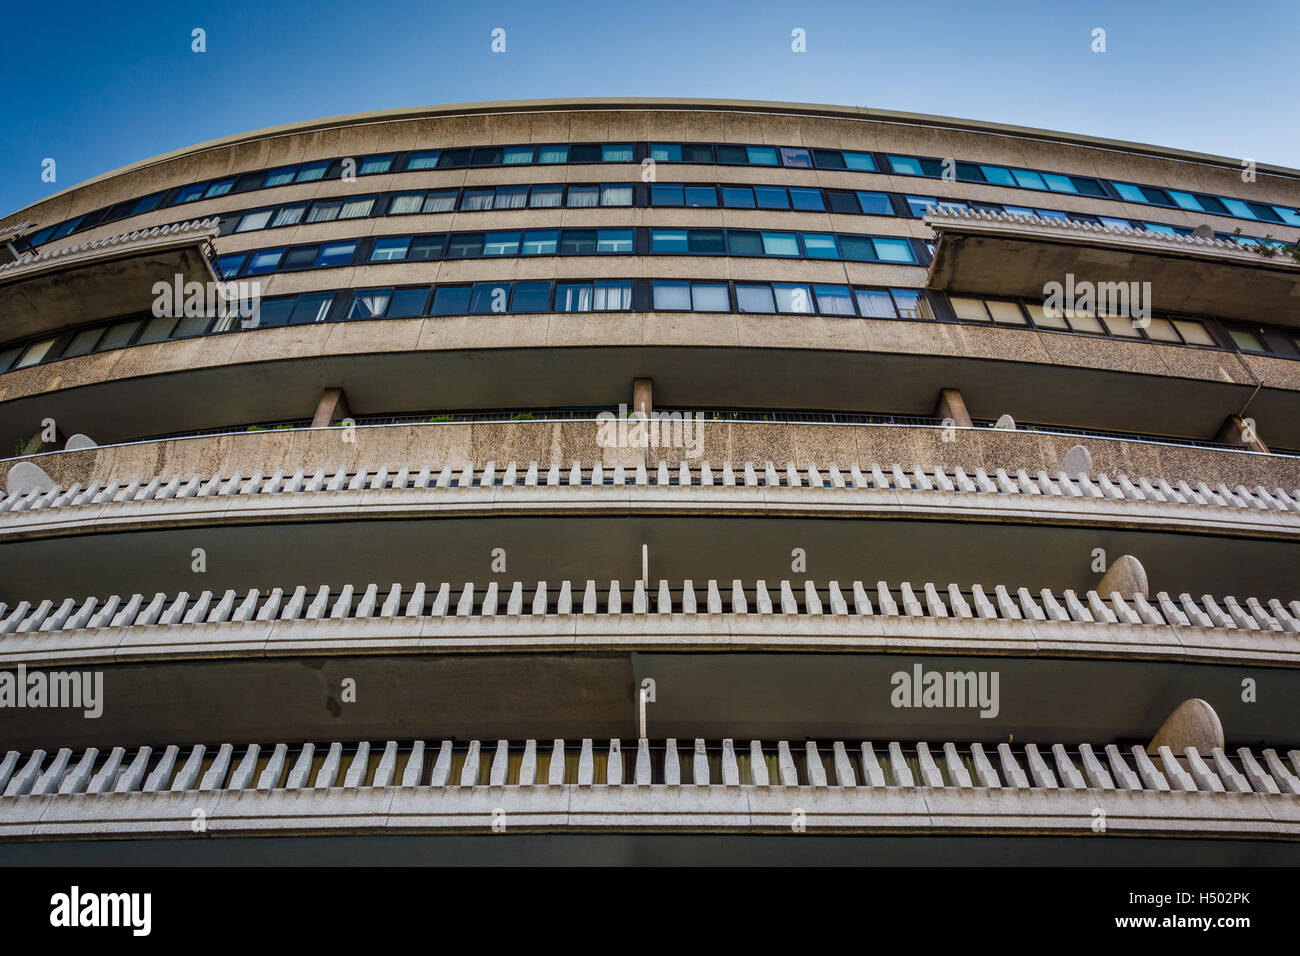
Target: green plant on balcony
{"points": [[438, 418], [523, 417]]}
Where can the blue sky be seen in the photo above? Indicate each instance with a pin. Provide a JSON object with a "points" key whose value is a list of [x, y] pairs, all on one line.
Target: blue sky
{"points": [[99, 85]]}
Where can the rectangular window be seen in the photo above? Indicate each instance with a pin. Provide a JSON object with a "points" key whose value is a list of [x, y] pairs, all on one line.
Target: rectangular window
{"points": [[369, 303], [189, 194], [404, 204], [732, 155], [998, 175], [573, 297], [279, 177], [672, 296], [755, 298], [697, 153], [424, 248], [578, 242], [301, 257], [665, 195], [738, 197], [875, 303], [666, 152], [511, 197], [616, 195], [465, 245], [906, 165], [668, 240], [82, 343], [474, 200], [288, 215], [118, 336], [614, 241], [486, 156], [1245, 339], [189, 327], [920, 205], [228, 266], [829, 158], [311, 172], [264, 261], [1121, 326], [1046, 319], [710, 297], [1006, 313], [541, 242], [792, 297], [440, 202], [583, 197], [155, 330], [274, 313], [546, 197], [807, 200], [1059, 184], [875, 204], [489, 297], [702, 197], [357, 208], [373, 165], [424, 160], [705, 242], [219, 188], [38, 350], [859, 161], [324, 211], [501, 244], [1129, 192], [894, 250], [530, 297], [780, 244], [585, 153], [1084, 322], [612, 296], [1162, 330], [453, 158], [833, 300], [796, 157], [820, 245], [771, 197], [744, 243], [761, 155], [336, 253], [1193, 333], [553, 154], [620, 153], [968, 310], [911, 304], [407, 303], [451, 300], [517, 155], [1028, 179]]}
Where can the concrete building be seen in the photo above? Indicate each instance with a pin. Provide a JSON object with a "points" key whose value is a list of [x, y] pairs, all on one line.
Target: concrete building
{"points": [[657, 480]]}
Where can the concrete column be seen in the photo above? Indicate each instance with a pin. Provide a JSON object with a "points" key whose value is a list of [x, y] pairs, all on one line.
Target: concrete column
{"points": [[952, 405], [1125, 575], [333, 407], [642, 399], [1237, 431]]}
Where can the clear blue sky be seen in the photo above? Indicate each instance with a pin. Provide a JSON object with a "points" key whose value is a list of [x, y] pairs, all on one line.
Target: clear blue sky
{"points": [[100, 85]]}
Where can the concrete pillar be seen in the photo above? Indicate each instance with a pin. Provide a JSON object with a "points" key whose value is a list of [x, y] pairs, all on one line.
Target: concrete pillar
{"points": [[1125, 575], [952, 405], [1241, 431], [642, 398], [1193, 723], [333, 407]]}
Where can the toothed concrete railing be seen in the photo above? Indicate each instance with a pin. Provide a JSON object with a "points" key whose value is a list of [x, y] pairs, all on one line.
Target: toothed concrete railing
{"points": [[451, 618], [156, 236], [127, 504], [554, 785]]}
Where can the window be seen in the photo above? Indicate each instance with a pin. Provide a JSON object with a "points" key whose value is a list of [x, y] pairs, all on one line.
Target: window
{"points": [[357, 208], [465, 245], [1006, 313], [156, 330], [310, 308], [476, 199], [553, 154], [666, 152], [390, 248], [875, 204], [336, 253], [612, 296], [369, 303], [738, 197], [906, 165], [324, 211], [187, 194], [614, 240], [117, 336], [585, 153], [792, 297], [1162, 330], [796, 157], [546, 197], [705, 197], [510, 197], [754, 298], [710, 297], [229, 266], [1045, 319], [218, 188], [672, 296], [912, 304], [705, 242], [264, 261], [968, 310], [761, 155], [311, 172], [1028, 179], [807, 200], [1121, 326], [697, 153], [1059, 184], [82, 343], [279, 177], [857, 249], [426, 247], [407, 303], [833, 299], [425, 160], [780, 244], [829, 158], [303, 257], [771, 197], [372, 165], [440, 202], [668, 240], [732, 155], [859, 161], [582, 197], [453, 159], [665, 195], [616, 154], [541, 242], [288, 215], [576, 242], [1246, 339], [530, 297], [893, 250], [875, 303], [1084, 322], [517, 155], [7, 356], [598, 297], [1193, 333], [404, 204], [35, 352], [740, 243], [820, 245], [501, 244], [616, 195], [451, 300], [489, 297], [254, 220]]}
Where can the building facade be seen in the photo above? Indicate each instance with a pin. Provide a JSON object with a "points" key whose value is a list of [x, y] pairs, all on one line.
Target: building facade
{"points": [[657, 481]]}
